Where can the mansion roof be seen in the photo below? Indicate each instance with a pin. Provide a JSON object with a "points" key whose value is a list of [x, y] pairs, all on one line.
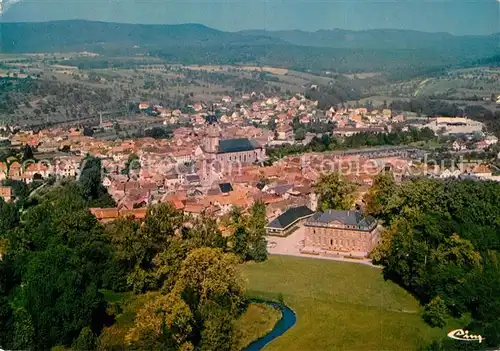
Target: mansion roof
{"points": [[289, 217], [345, 219]]}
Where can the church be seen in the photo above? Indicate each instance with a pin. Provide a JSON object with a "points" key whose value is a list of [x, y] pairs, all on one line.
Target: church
{"points": [[230, 151]]}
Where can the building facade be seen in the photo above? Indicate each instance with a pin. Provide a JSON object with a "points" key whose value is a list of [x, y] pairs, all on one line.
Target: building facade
{"points": [[341, 231]]}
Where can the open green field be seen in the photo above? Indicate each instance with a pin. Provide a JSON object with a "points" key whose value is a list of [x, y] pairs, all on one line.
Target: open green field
{"points": [[340, 306]]}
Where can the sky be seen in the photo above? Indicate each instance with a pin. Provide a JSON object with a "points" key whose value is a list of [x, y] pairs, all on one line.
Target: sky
{"points": [[458, 17]]}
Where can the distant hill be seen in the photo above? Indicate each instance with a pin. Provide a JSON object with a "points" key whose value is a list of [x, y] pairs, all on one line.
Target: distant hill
{"points": [[398, 52], [384, 39], [79, 34]]}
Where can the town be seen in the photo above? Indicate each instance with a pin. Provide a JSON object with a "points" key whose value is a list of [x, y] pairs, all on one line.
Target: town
{"points": [[216, 159], [249, 176]]}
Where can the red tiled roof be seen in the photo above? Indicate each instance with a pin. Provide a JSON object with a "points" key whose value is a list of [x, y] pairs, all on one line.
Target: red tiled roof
{"points": [[105, 213], [193, 207]]}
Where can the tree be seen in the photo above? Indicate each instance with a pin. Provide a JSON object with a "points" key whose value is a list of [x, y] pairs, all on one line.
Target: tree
{"points": [[6, 323], [132, 164], [217, 333], [204, 232], [379, 195], [442, 245], [198, 312], [90, 180], [210, 275], [91, 177], [53, 262], [27, 153], [24, 334], [62, 297], [271, 124], [86, 340], [256, 223], [161, 225], [435, 313], [165, 319], [300, 134], [240, 242], [334, 192]]}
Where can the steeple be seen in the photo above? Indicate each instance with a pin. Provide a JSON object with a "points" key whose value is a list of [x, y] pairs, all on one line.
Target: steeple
{"points": [[212, 138], [211, 142]]}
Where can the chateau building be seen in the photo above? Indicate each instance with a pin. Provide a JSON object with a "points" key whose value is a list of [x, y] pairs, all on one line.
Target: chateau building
{"points": [[341, 231]]}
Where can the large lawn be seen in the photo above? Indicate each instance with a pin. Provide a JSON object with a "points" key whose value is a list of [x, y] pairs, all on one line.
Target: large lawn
{"points": [[339, 306]]}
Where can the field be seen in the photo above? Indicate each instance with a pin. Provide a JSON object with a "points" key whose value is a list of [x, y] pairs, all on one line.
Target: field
{"points": [[460, 86], [340, 306]]}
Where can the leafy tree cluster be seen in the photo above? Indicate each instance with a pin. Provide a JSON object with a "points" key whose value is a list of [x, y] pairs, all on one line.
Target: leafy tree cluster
{"points": [[148, 256], [90, 180], [442, 243], [249, 234], [300, 129], [10, 91], [132, 164], [334, 192], [56, 258], [198, 311], [50, 271], [158, 133], [193, 266]]}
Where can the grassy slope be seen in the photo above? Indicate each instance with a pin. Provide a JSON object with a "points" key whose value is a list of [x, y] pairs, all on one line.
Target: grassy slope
{"points": [[257, 321], [340, 306]]}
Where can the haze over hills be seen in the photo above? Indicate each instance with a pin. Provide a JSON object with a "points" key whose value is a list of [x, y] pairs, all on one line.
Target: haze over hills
{"points": [[458, 17], [395, 51], [76, 34], [60, 35], [381, 39]]}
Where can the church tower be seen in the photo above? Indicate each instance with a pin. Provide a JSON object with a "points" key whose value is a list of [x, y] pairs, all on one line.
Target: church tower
{"points": [[211, 141]]}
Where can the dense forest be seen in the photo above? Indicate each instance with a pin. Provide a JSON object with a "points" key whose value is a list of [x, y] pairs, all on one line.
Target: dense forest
{"points": [[57, 262], [442, 244]]}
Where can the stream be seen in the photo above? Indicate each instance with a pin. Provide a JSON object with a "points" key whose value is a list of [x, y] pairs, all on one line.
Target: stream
{"points": [[287, 321]]}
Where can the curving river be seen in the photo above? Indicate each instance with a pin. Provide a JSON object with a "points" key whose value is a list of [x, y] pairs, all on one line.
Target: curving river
{"points": [[287, 321]]}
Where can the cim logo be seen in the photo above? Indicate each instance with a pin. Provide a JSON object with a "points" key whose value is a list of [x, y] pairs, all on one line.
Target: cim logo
{"points": [[463, 335]]}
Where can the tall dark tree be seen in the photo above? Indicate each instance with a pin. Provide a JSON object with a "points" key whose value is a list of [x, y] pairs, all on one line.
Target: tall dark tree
{"points": [[6, 323], [90, 180], [27, 153], [256, 223]]}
